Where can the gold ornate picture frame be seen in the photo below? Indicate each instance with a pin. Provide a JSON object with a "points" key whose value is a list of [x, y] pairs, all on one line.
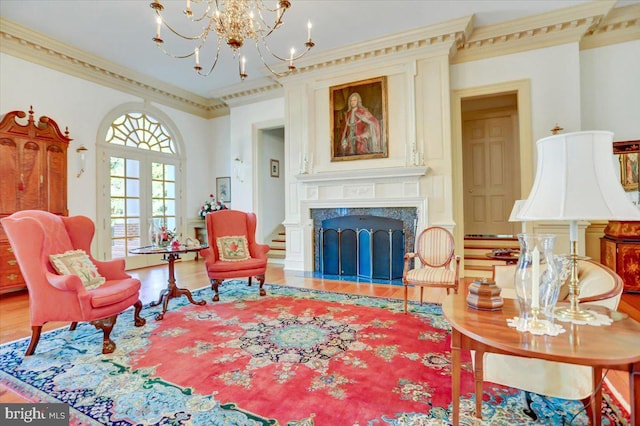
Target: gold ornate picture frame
{"points": [[359, 123], [629, 171]]}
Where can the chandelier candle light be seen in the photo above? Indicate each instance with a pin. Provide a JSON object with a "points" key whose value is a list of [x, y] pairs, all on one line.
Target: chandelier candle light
{"points": [[233, 22]]}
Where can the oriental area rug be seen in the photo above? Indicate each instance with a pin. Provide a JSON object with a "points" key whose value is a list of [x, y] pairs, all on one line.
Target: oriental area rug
{"points": [[293, 357]]}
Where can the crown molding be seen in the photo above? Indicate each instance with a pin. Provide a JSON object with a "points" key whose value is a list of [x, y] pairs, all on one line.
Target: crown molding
{"points": [[567, 25], [592, 25], [621, 25], [38, 48]]}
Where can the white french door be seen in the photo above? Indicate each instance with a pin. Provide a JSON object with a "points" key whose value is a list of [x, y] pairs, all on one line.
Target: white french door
{"points": [[137, 187]]}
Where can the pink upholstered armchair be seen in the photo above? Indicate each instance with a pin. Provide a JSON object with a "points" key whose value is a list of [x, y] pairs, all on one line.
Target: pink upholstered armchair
{"points": [[229, 226], [34, 235]]}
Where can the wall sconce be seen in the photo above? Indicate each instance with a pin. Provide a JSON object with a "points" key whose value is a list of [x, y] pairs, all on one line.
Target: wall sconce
{"points": [[239, 169], [82, 151]]}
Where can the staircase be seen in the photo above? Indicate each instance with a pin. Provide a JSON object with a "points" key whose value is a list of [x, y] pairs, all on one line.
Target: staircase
{"points": [[277, 246], [476, 262]]}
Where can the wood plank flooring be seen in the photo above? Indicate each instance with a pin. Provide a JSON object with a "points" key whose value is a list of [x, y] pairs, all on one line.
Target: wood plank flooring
{"points": [[14, 307]]}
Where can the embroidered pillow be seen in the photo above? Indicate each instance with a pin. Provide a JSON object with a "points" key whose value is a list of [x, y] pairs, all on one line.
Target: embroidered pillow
{"points": [[233, 248], [76, 262]]}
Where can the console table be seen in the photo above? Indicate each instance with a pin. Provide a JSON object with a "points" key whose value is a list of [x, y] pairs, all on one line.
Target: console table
{"points": [[614, 347]]}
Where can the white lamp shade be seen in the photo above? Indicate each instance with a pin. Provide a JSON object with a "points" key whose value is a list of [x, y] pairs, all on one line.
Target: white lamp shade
{"points": [[576, 180], [515, 211]]}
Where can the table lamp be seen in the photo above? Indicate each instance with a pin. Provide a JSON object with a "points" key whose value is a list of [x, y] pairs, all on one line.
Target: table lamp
{"points": [[514, 216], [576, 180]]}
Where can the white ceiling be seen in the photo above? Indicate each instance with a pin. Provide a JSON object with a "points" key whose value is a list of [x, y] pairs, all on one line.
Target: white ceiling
{"points": [[121, 30]]}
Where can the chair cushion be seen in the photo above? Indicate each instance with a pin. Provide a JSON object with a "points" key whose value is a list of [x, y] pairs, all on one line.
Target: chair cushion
{"points": [[114, 291], [248, 264], [431, 275], [233, 248], [76, 262]]}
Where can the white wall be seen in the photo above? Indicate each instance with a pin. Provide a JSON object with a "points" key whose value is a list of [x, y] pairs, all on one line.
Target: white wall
{"points": [[81, 105], [244, 124]]}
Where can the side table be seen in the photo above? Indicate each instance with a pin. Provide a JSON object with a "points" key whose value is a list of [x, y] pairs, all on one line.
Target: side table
{"points": [[172, 289], [614, 346]]}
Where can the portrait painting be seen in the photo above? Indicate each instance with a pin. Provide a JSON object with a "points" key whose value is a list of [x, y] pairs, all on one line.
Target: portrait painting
{"points": [[223, 189], [629, 171], [275, 168], [359, 127]]}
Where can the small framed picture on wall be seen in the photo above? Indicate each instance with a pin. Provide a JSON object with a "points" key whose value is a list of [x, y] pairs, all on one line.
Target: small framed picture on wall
{"points": [[223, 189], [275, 168]]}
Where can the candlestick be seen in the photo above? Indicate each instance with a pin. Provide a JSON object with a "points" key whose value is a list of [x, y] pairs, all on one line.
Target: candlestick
{"points": [[291, 56], [535, 278], [197, 51], [244, 62], [309, 30], [158, 26]]}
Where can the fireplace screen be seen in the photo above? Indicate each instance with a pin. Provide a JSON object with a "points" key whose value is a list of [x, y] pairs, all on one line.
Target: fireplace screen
{"points": [[363, 246]]}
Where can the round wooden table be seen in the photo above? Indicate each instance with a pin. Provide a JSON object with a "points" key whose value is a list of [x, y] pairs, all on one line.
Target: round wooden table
{"points": [[170, 255], [616, 346]]}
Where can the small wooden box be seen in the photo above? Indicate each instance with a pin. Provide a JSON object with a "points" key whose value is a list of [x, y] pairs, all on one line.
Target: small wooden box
{"points": [[484, 294]]}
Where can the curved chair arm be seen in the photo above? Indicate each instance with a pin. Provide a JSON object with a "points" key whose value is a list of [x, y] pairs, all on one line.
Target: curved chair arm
{"points": [[65, 282], [407, 260], [259, 251], [111, 269]]}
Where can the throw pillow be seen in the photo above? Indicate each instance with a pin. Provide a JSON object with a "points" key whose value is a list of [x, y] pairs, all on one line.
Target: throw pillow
{"points": [[233, 248], [76, 262]]}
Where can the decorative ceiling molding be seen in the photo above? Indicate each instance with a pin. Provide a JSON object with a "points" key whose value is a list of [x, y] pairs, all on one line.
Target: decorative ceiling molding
{"points": [[622, 24], [568, 25], [592, 24], [36, 47]]}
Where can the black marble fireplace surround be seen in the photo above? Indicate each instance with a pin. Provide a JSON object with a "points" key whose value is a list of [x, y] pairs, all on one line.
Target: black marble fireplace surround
{"points": [[408, 216]]}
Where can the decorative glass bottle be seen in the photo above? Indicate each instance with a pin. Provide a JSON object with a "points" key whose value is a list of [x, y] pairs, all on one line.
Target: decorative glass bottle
{"points": [[536, 279], [153, 233]]}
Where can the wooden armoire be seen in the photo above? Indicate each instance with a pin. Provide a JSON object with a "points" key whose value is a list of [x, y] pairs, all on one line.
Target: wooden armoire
{"points": [[33, 176]]}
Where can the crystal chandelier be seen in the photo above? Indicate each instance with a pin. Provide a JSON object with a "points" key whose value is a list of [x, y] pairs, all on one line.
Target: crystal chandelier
{"points": [[233, 22]]}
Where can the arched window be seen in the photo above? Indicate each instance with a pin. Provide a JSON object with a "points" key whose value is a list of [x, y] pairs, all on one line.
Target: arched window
{"points": [[140, 180]]}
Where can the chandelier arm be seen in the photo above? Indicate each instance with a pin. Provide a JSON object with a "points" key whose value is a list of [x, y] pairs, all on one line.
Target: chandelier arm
{"points": [[171, 55], [215, 61], [308, 45], [205, 13], [201, 36]]}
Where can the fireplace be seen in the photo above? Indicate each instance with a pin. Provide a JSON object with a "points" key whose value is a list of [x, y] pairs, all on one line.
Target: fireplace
{"points": [[362, 246], [368, 242]]}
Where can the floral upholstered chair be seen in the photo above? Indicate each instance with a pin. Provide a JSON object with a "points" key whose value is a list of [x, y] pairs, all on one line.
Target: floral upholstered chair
{"points": [[65, 282], [436, 264], [233, 251]]}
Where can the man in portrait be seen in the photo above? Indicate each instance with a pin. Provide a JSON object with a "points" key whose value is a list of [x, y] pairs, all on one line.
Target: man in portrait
{"points": [[361, 132]]}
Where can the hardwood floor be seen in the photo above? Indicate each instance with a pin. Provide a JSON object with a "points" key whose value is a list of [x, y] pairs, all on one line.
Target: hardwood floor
{"points": [[14, 307]]}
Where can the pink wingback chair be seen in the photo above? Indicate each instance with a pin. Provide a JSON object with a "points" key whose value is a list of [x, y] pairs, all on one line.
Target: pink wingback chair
{"points": [[36, 234], [224, 223]]}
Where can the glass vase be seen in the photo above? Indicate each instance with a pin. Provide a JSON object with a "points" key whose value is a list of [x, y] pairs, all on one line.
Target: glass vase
{"points": [[153, 233], [537, 277]]}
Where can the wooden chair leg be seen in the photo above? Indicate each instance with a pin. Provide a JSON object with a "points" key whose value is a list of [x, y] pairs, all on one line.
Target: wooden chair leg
{"points": [[73, 326], [35, 338], [214, 285], [421, 294], [106, 325], [138, 321], [260, 279], [406, 297], [249, 283]]}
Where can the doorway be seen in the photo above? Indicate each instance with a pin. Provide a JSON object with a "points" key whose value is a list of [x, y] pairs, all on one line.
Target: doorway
{"points": [[269, 196], [490, 159]]}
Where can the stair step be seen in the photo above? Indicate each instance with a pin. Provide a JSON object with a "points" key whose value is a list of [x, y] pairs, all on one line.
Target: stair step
{"points": [[477, 273], [276, 254], [278, 240]]}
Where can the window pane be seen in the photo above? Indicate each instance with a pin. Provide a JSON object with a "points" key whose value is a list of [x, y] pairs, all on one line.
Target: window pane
{"points": [[170, 172], [170, 190], [133, 187], [133, 227], [133, 207], [117, 228], [117, 166], [157, 208], [133, 168], [157, 189], [117, 187], [157, 171], [170, 207], [117, 207]]}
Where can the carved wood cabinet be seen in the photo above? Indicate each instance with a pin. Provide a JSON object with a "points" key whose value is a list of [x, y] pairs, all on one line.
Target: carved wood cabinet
{"points": [[620, 251], [33, 176]]}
